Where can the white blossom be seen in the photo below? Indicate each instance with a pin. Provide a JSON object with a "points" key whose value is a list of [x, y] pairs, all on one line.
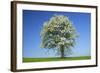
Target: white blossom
{"points": [[57, 32]]}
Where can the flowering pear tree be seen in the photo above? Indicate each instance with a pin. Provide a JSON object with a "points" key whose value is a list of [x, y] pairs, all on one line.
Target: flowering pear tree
{"points": [[59, 34]]}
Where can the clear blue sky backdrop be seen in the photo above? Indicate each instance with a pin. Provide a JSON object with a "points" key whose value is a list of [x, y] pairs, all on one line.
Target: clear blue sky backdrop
{"points": [[32, 25]]}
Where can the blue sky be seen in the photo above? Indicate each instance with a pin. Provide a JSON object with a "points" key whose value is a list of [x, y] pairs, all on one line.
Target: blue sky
{"points": [[32, 25]]}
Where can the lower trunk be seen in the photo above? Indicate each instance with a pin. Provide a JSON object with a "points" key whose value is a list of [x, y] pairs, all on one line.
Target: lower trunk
{"points": [[62, 51]]}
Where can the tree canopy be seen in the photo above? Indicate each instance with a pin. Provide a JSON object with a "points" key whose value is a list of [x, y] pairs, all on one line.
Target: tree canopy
{"points": [[58, 33]]}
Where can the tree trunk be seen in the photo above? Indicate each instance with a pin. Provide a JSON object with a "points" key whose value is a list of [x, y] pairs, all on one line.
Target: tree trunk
{"points": [[62, 51]]}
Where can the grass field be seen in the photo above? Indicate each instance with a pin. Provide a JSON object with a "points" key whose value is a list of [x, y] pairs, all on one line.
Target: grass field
{"points": [[55, 59]]}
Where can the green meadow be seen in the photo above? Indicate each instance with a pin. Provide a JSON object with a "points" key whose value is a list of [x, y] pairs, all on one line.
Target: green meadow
{"points": [[55, 59]]}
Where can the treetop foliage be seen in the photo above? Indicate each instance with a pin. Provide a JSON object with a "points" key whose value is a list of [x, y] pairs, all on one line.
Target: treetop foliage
{"points": [[58, 31]]}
